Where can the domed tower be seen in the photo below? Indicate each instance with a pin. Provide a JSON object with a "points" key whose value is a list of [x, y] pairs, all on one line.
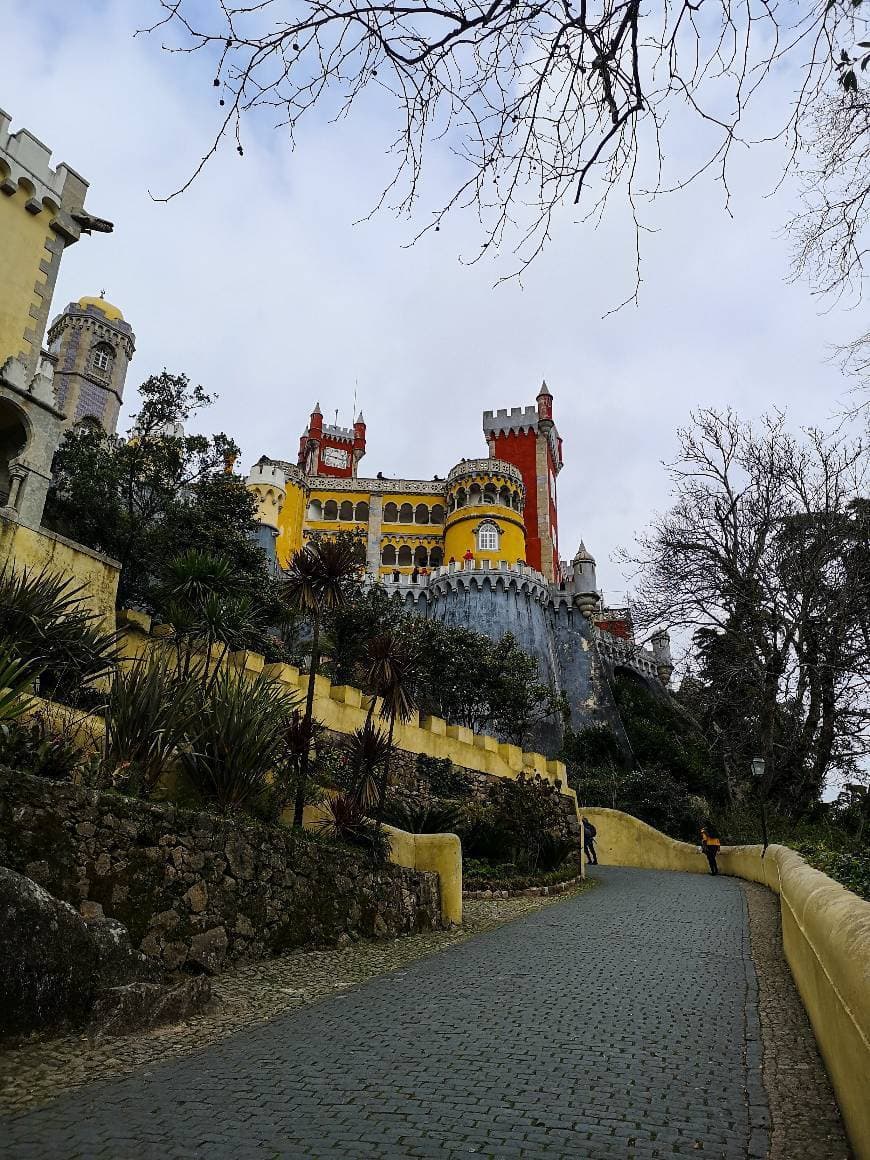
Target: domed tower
{"points": [[268, 483], [91, 346], [485, 500]]}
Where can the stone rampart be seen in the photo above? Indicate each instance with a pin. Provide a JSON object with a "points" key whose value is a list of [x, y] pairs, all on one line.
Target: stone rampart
{"points": [[826, 941], [197, 891]]}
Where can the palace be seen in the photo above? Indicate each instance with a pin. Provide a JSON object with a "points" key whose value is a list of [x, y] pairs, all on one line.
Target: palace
{"points": [[500, 510]]}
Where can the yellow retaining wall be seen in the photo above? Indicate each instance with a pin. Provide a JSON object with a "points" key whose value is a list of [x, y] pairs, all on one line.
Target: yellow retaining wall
{"points": [[98, 574], [825, 935], [439, 853], [343, 709]]}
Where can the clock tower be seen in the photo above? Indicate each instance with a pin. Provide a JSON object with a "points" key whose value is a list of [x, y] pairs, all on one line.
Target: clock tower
{"points": [[331, 450]]}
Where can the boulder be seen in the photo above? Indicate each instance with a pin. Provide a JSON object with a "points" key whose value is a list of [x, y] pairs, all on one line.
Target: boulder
{"points": [[53, 962], [142, 1006], [48, 958]]}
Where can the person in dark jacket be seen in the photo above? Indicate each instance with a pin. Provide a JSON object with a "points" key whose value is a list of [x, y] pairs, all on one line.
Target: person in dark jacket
{"points": [[589, 833], [710, 846]]}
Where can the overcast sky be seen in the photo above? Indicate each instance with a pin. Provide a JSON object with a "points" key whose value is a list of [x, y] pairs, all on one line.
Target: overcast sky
{"points": [[257, 283]]}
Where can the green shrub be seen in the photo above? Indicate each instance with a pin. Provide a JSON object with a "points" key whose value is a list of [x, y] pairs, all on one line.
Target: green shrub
{"points": [[478, 874], [421, 816], [849, 867], [522, 822], [37, 747], [441, 778]]}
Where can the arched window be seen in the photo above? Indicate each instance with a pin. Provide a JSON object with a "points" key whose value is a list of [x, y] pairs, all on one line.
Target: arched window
{"points": [[330, 510], [437, 514], [421, 556], [102, 357], [345, 512], [436, 558], [461, 498], [421, 514], [504, 497], [406, 514], [487, 538], [362, 511], [13, 440], [489, 493], [391, 513], [388, 556], [315, 510], [404, 557], [474, 494]]}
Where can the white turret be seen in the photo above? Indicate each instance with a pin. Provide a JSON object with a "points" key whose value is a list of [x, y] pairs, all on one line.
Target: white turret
{"points": [[661, 647], [583, 581], [268, 482]]}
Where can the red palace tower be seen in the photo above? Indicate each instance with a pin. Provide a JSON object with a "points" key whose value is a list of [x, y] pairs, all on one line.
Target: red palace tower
{"points": [[527, 438]]}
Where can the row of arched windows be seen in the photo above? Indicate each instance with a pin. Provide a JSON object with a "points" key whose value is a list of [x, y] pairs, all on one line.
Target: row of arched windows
{"points": [[405, 556], [331, 510], [506, 496], [408, 514]]}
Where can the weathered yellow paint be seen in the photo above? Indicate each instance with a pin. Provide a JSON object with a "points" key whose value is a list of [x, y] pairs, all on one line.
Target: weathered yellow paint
{"points": [[826, 942], [26, 548], [440, 854], [459, 535], [23, 238], [290, 523]]}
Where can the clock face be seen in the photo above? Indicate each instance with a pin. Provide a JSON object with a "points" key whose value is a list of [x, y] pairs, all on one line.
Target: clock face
{"points": [[333, 457]]}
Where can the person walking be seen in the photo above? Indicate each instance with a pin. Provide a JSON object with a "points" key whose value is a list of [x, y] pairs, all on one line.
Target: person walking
{"points": [[710, 845], [589, 835]]}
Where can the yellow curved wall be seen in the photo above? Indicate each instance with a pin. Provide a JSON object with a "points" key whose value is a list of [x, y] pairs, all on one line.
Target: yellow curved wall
{"points": [[825, 936], [459, 535]]}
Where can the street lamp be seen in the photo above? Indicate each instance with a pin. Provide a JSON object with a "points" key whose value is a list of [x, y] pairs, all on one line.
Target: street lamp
{"points": [[758, 774]]}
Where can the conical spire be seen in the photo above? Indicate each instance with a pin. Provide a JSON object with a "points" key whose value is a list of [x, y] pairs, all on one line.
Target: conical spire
{"points": [[317, 410], [544, 392], [360, 418]]}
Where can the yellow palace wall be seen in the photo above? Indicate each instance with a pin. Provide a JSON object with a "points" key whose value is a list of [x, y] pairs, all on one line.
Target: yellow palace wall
{"points": [[460, 537], [23, 236]]}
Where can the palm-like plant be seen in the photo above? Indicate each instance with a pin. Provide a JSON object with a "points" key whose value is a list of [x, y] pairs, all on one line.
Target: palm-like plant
{"points": [[318, 581], [44, 620], [366, 749], [198, 598], [389, 676]]}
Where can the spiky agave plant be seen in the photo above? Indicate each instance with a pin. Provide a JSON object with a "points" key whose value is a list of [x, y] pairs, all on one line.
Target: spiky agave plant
{"points": [[45, 620], [148, 714], [16, 681], [234, 740]]}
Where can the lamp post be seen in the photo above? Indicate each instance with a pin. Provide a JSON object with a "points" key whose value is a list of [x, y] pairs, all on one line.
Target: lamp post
{"points": [[758, 774]]}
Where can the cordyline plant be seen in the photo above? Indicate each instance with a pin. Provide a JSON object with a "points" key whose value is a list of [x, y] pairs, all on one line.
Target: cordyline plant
{"points": [[367, 749], [390, 676], [319, 580]]}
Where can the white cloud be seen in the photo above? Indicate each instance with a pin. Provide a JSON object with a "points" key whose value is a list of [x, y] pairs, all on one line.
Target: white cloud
{"points": [[257, 284]]}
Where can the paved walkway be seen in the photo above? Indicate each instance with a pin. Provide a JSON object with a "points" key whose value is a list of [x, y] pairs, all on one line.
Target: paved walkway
{"points": [[622, 1024]]}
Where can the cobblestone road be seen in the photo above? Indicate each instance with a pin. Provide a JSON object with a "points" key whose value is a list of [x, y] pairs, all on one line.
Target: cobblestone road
{"points": [[621, 1024]]}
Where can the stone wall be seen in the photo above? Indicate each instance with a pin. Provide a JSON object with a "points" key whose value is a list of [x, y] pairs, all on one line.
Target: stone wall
{"points": [[196, 890]]}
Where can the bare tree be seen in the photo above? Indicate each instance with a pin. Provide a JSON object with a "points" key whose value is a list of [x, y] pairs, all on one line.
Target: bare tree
{"points": [[540, 101], [765, 558]]}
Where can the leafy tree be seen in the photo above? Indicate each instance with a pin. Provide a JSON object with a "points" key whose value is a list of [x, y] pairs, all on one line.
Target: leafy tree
{"points": [[156, 494], [390, 677], [368, 612], [547, 103]]}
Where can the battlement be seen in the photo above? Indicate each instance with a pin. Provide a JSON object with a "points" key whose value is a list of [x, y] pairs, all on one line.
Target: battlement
{"points": [[488, 466], [74, 314], [25, 155], [515, 419], [267, 475], [343, 434]]}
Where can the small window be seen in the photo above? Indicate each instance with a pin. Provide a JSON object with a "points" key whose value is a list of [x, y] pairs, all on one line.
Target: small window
{"points": [[102, 358], [487, 538]]}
